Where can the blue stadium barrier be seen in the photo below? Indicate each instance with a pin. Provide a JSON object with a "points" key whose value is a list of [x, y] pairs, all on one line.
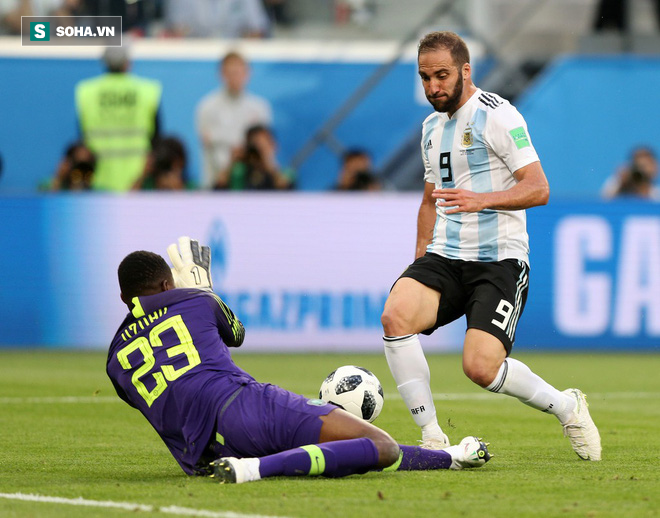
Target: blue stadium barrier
{"points": [[585, 115], [38, 115]]}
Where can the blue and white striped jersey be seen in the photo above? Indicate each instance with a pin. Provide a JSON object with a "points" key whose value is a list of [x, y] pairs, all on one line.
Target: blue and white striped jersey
{"points": [[478, 149]]}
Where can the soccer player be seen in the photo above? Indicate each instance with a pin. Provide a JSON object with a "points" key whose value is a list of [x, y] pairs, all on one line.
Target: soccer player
{"points": [[481, 172], [170, 360]]}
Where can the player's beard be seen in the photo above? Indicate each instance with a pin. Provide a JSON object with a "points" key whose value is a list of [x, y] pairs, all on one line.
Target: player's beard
{"points": [[450, 103]]}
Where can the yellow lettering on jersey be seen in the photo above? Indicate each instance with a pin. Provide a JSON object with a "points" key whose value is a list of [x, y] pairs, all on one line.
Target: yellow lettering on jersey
{"points": [[132, 329]]}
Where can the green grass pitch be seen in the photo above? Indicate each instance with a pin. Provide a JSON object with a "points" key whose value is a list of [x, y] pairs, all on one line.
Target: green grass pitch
{"points": [[94, 447]]}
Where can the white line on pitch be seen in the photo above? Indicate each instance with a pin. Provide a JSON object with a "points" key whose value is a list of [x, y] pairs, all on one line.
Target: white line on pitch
{"points": [[63, 399], [127, 506], [446, 396], [493, 397]]}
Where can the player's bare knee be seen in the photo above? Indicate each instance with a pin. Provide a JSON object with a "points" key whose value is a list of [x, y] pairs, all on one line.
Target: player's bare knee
{"points": [[394, 321], [480, 373], [388, 449]]}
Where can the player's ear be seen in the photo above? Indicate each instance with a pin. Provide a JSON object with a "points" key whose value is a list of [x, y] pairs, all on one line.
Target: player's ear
{"points": [[123, 299], [166, 285], [466, 71]]}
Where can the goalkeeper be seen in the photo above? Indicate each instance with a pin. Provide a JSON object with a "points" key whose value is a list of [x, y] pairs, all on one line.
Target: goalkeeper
{"points": [[170, 360]]}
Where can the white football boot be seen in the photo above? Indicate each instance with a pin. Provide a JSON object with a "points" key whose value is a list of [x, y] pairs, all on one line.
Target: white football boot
{"points": [[230, 470], [580, 428], [471, 452], [435, 442]]}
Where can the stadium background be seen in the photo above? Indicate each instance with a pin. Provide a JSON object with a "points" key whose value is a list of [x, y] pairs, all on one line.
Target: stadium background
{"points": [[308, 271]]}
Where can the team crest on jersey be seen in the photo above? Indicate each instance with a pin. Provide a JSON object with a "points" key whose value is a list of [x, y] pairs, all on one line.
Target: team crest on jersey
{"points": [[467, 140]]}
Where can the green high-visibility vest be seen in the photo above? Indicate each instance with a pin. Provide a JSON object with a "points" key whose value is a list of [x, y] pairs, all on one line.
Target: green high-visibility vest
{"points": [[117, 114]]}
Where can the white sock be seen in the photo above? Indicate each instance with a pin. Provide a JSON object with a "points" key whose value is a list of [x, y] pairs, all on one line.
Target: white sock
{"points": [[410, 370], [252, 469], [516, 379]]}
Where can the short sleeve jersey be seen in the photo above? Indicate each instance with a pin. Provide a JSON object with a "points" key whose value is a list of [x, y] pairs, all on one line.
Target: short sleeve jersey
{"points": [[224, 120], [478, 149], [170, 360]]}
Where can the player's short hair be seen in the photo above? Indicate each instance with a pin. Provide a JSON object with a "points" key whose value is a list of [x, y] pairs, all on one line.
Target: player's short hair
{"points": [[642, 150], [141, 271], [116, 59], [232, 55], [445, 40]]}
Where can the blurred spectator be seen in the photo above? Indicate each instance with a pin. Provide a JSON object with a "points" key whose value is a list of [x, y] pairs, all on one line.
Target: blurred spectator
{"points": [[136, 15], [636, 179], [217, 18], [166, 167], [616, 14], [278, 11], [118, 118], [76, 169], [12, 10], [359, 12], [356, 172], [224, 115], [256, 168]]}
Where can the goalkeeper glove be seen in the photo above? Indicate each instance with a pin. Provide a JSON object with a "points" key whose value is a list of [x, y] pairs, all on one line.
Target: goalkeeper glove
{"points": [[192, 264]]}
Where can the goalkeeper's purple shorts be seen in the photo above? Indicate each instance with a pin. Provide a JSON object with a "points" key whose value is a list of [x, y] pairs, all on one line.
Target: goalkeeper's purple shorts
{"points": [[262, 419]]}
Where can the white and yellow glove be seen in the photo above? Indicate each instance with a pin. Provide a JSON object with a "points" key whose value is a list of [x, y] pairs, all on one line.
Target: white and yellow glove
{"points": [[191, 264]]}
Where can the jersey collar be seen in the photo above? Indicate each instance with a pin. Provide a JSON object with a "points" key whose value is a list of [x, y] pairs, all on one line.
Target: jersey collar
{"points": [[473, 98]]}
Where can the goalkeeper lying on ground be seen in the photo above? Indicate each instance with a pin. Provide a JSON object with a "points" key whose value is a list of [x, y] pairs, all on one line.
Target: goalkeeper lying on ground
{"points": [[170, 359]]}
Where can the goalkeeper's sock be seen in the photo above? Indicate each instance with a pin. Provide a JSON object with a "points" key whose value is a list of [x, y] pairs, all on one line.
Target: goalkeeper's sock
{"points": [[410, 370], [330, 459], [414, 458], [516, 379]]}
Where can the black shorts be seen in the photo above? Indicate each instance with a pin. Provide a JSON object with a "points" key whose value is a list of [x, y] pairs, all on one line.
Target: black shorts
{"points": [[491, 295]]}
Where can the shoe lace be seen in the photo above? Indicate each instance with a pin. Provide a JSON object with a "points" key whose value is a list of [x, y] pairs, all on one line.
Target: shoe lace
{"points": [[574, 431], [432, 444]]}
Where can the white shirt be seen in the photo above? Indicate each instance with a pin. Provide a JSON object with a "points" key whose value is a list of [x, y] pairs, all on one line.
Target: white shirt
{"points": [[224, 119], [478, 149]]}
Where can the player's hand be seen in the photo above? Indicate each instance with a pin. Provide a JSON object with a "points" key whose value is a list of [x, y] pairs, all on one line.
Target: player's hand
{"points": [[191, 264], [460, 200]]}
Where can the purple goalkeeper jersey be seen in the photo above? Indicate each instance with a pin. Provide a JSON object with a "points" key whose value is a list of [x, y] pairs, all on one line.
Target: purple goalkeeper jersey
{"points": [[170, 360]]}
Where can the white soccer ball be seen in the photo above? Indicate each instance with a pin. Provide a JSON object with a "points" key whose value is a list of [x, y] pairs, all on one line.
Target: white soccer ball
{"points": [[356, 390]]}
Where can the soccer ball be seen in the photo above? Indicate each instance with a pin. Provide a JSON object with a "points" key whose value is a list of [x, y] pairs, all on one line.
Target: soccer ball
{"points": [[354, 389]]}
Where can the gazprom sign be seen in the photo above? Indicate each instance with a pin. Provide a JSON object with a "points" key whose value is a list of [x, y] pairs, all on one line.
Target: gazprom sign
{"points": [[312, 272], [286, 310], [595, 277], [607, 276]]}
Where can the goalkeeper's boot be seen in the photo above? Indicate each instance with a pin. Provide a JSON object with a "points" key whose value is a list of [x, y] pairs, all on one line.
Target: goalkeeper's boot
{"points": [[580, 428], [471, 452], [230, 470]]}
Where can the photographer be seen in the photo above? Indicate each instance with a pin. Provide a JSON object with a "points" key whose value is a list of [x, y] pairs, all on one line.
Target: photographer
{"points": [[637, 179], [76, 170], [356, 172], [165, 169], [255, 167]]}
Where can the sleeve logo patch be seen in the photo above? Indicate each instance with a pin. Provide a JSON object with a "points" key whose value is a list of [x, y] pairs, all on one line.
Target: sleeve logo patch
{"points": [[519, 136], [316, 402]]}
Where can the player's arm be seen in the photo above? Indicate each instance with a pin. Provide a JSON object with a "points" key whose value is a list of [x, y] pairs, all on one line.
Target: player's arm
{"points": [[531, 190], [230, 328], [425, 220]]}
